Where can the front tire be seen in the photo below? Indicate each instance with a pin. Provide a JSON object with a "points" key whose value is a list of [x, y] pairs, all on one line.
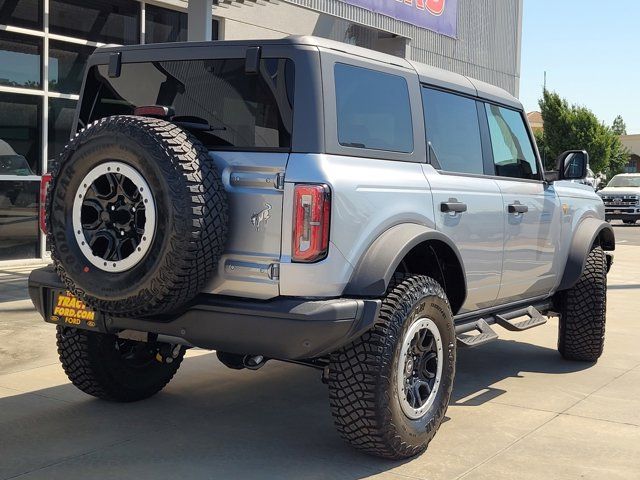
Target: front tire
{"points": [[583, 312], [106, 367], [389, 390]]}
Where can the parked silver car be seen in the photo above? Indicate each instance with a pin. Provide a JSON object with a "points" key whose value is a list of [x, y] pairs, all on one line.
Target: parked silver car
{"points": [[310, 201]]}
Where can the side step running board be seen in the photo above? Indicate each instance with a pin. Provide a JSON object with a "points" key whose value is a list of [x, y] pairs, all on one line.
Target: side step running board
{"points": [[535, 320], [486, 334]]}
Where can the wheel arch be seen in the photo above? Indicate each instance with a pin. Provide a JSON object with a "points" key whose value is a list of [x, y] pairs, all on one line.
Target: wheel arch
{"points": [[410, 248], [590, 231]]}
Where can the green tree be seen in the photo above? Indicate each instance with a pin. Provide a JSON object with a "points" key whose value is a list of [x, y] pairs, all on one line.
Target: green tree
{"points": [[573, 127], [619, 127]]}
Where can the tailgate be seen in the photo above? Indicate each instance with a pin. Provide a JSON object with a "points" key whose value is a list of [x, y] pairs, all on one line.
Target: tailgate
{"points": [[249, 266]]}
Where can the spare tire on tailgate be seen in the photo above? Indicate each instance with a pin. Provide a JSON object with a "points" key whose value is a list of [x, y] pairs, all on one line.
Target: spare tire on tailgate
{"points": [[136, 216]]}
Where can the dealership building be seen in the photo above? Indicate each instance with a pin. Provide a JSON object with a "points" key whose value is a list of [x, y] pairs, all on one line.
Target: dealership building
{"points": [[44, 46]]}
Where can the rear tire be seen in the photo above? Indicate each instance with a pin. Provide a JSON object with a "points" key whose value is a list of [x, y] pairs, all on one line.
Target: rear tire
{"points": [[110, 368], [373, 381], [583, 312]]}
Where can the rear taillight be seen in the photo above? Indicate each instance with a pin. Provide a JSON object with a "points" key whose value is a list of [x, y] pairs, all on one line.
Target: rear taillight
{"points": [[44, 184], [153, 111], [311, 220]]}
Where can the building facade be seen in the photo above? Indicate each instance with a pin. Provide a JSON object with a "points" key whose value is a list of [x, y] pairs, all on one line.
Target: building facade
{"points": [[44, 45]]}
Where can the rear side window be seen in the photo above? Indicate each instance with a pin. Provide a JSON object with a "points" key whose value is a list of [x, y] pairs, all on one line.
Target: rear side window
{"points": [[453, 131], [512, 151], [227, 108], [373, 109]]}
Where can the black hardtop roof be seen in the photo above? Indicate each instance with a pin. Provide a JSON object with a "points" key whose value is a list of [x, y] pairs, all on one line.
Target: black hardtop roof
{"points": [[426, 73]]}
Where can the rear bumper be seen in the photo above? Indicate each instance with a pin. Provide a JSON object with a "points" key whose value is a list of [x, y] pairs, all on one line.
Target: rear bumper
{"points": [[283, 328]]}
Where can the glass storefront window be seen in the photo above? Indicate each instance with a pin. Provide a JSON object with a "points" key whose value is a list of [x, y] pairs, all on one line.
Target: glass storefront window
{"points": [[61, 112], [18, 218], [164, 25], [66, 66], [19, 157], [20, 129], [20, 57], [112, 21], [21, 13]]}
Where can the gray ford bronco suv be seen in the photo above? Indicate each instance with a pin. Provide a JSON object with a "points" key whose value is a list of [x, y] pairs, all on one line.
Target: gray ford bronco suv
{"points": [[313, 202]]}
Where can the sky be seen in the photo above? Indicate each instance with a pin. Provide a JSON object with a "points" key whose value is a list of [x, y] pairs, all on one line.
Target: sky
{"points": [[591, 52]]}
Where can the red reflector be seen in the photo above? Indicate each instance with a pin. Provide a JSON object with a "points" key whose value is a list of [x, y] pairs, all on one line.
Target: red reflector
{"points": [[44, 183], [152, 111], [311, 220]]}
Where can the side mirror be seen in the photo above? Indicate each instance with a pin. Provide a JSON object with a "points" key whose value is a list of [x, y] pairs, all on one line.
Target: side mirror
{"points": [[573, 165]]}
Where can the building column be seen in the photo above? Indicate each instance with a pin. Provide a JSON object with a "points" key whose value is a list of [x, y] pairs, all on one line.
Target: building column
{"points": [[199, 20]]}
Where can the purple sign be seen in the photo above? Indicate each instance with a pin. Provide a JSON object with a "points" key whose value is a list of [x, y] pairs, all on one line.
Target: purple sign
{"points": [[438, 15]]}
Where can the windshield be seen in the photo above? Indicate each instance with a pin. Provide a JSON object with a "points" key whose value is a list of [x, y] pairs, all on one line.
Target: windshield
{"points": [[623, 181], [219, 102]]}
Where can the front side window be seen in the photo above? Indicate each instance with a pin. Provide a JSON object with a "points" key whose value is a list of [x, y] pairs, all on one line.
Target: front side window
{"points": [[453, 133], [513, 153], [227, 107], [373, 109]]}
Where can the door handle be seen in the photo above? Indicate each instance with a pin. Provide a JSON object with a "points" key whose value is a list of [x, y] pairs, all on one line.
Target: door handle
{"points": [[453, 207], [518, 208]]}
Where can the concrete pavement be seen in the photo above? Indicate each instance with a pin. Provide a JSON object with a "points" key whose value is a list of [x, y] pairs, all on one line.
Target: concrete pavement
{"points": [[518, 411]]}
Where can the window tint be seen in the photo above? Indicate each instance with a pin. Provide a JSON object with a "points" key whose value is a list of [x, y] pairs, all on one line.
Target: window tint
{"points": [[512, 151], [373, 110], [231, 108], [453, 132]]}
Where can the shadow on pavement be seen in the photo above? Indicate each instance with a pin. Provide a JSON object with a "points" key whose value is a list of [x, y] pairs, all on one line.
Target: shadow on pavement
{"points": [[480, 368], [211, 422]]}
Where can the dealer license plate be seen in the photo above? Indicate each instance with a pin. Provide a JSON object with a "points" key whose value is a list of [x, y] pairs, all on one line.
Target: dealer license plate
{"points": [[67, 309]]}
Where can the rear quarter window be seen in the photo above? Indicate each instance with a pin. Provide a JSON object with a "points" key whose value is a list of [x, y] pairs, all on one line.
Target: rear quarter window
{"points": [[373, 109]]}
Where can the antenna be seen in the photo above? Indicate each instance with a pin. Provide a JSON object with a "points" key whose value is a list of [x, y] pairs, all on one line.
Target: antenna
{"points": [[544, 85]]}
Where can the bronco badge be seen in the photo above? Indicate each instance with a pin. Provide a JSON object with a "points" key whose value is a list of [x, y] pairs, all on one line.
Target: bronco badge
{"points": [[260, 219]]}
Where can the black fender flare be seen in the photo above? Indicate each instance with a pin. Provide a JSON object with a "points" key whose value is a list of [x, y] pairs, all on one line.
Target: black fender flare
{"points": [[373, 272], [586, 234]]}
